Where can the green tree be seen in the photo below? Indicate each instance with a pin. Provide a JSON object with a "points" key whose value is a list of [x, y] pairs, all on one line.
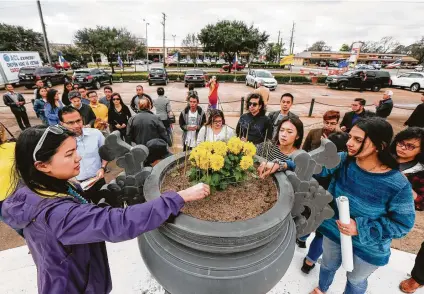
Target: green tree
{"points": [[71, 53], [140, 51], [231, 38], [417, 50], [345, 48], [17, 38], [272, 50], [106, 40]]}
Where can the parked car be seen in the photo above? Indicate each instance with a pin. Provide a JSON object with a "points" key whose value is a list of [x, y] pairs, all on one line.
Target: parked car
{"points": [[364, 66], [220, 61], [76, 65], [412, 80], [28, 76], [64, 66], [419, 67], [139, 62], [376, 79], [158, 76], [227, 66], [92, 77], [376, 66], [199, 61], [196, 77], [183, 60], [255, 76]]}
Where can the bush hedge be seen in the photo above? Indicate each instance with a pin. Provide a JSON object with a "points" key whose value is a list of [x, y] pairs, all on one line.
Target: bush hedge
{"points": [[241, 77]]}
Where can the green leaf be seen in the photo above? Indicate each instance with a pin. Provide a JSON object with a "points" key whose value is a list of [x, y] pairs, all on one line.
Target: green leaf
{"points": [[215, 179]]}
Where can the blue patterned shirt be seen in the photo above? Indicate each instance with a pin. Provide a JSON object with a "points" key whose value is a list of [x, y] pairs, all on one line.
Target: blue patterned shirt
{"points": [[88, 148]]}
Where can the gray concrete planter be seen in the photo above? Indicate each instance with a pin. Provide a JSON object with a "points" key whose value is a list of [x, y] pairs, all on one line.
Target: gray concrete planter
{"points": [[195, 256]]}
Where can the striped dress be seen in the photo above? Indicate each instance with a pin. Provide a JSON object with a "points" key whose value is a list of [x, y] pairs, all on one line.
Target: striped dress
{"points": [[380, 203]]}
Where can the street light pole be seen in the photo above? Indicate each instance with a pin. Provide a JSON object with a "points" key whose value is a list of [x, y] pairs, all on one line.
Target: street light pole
{"points": [[43, 27], [147, 47]]}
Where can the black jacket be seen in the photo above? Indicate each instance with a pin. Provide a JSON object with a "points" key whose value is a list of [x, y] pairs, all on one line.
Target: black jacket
{"points": [[120, 118], [417, 117], [254, 127], [201, 120], [135, 107], [348, 118], [384, 108], [8, 101], [87, 114], [146, 126]]}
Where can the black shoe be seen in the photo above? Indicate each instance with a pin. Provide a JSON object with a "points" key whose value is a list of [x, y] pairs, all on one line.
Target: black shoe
{"points": [[306, 268], [300, 243]]}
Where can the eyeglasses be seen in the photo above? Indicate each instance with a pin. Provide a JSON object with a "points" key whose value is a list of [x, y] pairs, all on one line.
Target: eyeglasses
{"points": [[75, 122], [217, 121], [57, 130], [408, 146], [254, 104]]}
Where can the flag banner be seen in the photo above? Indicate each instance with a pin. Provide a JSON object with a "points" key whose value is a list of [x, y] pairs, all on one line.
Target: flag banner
{"points": [[287, 60]]}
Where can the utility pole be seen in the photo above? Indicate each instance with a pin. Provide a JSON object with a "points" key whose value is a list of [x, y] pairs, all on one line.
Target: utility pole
{"points": [[279, 47], [147, 47], [291, 39], [163, 23], [43, 26]]}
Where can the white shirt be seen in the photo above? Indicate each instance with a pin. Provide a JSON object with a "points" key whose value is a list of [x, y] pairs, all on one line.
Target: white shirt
{"points": [[191, 135], [206, 134]]}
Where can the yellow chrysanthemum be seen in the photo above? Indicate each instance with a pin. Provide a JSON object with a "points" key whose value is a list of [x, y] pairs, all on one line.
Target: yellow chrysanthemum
{"points": [[216, 162], [246, 162], [220, 148], [205, 145], [249, 149], [235, 145]]}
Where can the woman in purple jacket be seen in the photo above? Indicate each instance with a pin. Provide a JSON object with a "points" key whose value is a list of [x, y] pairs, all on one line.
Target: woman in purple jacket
{"points": [[64, 233]]}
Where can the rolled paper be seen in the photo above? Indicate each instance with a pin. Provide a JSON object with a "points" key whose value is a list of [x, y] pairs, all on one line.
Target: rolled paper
{"points": [[345, 241]]}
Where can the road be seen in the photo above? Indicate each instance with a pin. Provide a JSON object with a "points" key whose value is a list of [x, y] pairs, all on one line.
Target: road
{"points": [[295, 69]]}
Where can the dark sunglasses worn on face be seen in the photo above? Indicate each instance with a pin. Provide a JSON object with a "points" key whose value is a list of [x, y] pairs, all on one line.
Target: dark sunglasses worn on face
{"points": [[116, 99], [57, 130], [254, 104]]}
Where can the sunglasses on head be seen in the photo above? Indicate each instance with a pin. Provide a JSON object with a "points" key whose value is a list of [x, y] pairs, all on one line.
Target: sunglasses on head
{"points": [[57, 130]]}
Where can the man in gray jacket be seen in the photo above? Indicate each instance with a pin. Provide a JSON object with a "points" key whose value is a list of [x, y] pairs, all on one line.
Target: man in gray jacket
{"points": [[286, 102], [164, 111]]}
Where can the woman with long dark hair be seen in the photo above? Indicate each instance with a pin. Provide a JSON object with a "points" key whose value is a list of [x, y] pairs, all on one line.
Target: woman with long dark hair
{"points": [[67, 87], [52, 107], [40, 103], [215, 128], [380, 203], [408, 147], [119, 114], [285, 142], [64, 233]]}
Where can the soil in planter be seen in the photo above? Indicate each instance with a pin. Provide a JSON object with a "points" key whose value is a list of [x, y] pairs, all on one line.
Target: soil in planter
{"points": [[236, 203]]}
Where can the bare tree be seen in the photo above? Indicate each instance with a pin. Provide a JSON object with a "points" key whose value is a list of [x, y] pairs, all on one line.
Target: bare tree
{"points": [[191, 43]]}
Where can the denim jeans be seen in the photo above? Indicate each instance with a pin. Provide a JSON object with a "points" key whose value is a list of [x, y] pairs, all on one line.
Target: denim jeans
{"points": [[315, 249], [357, 280]]}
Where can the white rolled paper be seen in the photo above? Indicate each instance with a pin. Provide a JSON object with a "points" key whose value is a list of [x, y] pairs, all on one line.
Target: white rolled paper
{"points": [[345, 241]]}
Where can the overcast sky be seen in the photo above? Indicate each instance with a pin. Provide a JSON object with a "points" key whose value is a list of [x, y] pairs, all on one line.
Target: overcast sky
{"points": [[335, 22]]}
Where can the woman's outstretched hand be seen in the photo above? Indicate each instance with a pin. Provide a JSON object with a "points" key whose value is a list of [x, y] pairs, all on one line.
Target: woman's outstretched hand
{"points": [[195, 192]]}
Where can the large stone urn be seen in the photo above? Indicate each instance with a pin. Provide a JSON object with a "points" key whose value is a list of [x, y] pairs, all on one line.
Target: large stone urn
{"points": [[191, 256]]}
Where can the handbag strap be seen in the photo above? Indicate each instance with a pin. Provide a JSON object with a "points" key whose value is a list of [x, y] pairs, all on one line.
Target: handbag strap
{"points": [[7, 130]]}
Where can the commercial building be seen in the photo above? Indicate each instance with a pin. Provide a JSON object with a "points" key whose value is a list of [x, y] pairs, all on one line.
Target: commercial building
{"points": [[329, 58]]}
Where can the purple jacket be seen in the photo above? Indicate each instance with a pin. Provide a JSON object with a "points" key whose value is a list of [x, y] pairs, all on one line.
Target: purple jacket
{"points": [[66, 238]]}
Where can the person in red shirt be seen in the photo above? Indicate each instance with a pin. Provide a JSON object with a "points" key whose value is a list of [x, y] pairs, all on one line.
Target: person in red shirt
{"points": [[213, 92]]}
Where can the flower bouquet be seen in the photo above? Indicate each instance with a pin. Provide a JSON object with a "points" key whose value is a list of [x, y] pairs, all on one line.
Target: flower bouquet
{"points": [[220, 164]]}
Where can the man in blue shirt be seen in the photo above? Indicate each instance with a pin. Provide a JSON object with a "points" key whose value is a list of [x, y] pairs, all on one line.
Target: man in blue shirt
{"points": [[108, 96], [83, 91], [89, 141]]}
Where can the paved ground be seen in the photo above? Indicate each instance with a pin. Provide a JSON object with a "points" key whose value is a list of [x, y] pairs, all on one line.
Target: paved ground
{"points": [[230, 97], [130, 275]]}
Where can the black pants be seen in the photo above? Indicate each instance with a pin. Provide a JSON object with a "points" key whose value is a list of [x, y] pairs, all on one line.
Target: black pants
{"points": [[418, 270], [21, 118], [362, 88]]}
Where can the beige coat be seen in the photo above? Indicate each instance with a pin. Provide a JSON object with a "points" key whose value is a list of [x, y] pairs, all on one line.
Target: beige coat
{"points": [[264, 92]]}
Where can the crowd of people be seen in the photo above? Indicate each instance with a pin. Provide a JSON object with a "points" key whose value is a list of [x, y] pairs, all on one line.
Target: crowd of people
{"points": [[381, 174]]}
